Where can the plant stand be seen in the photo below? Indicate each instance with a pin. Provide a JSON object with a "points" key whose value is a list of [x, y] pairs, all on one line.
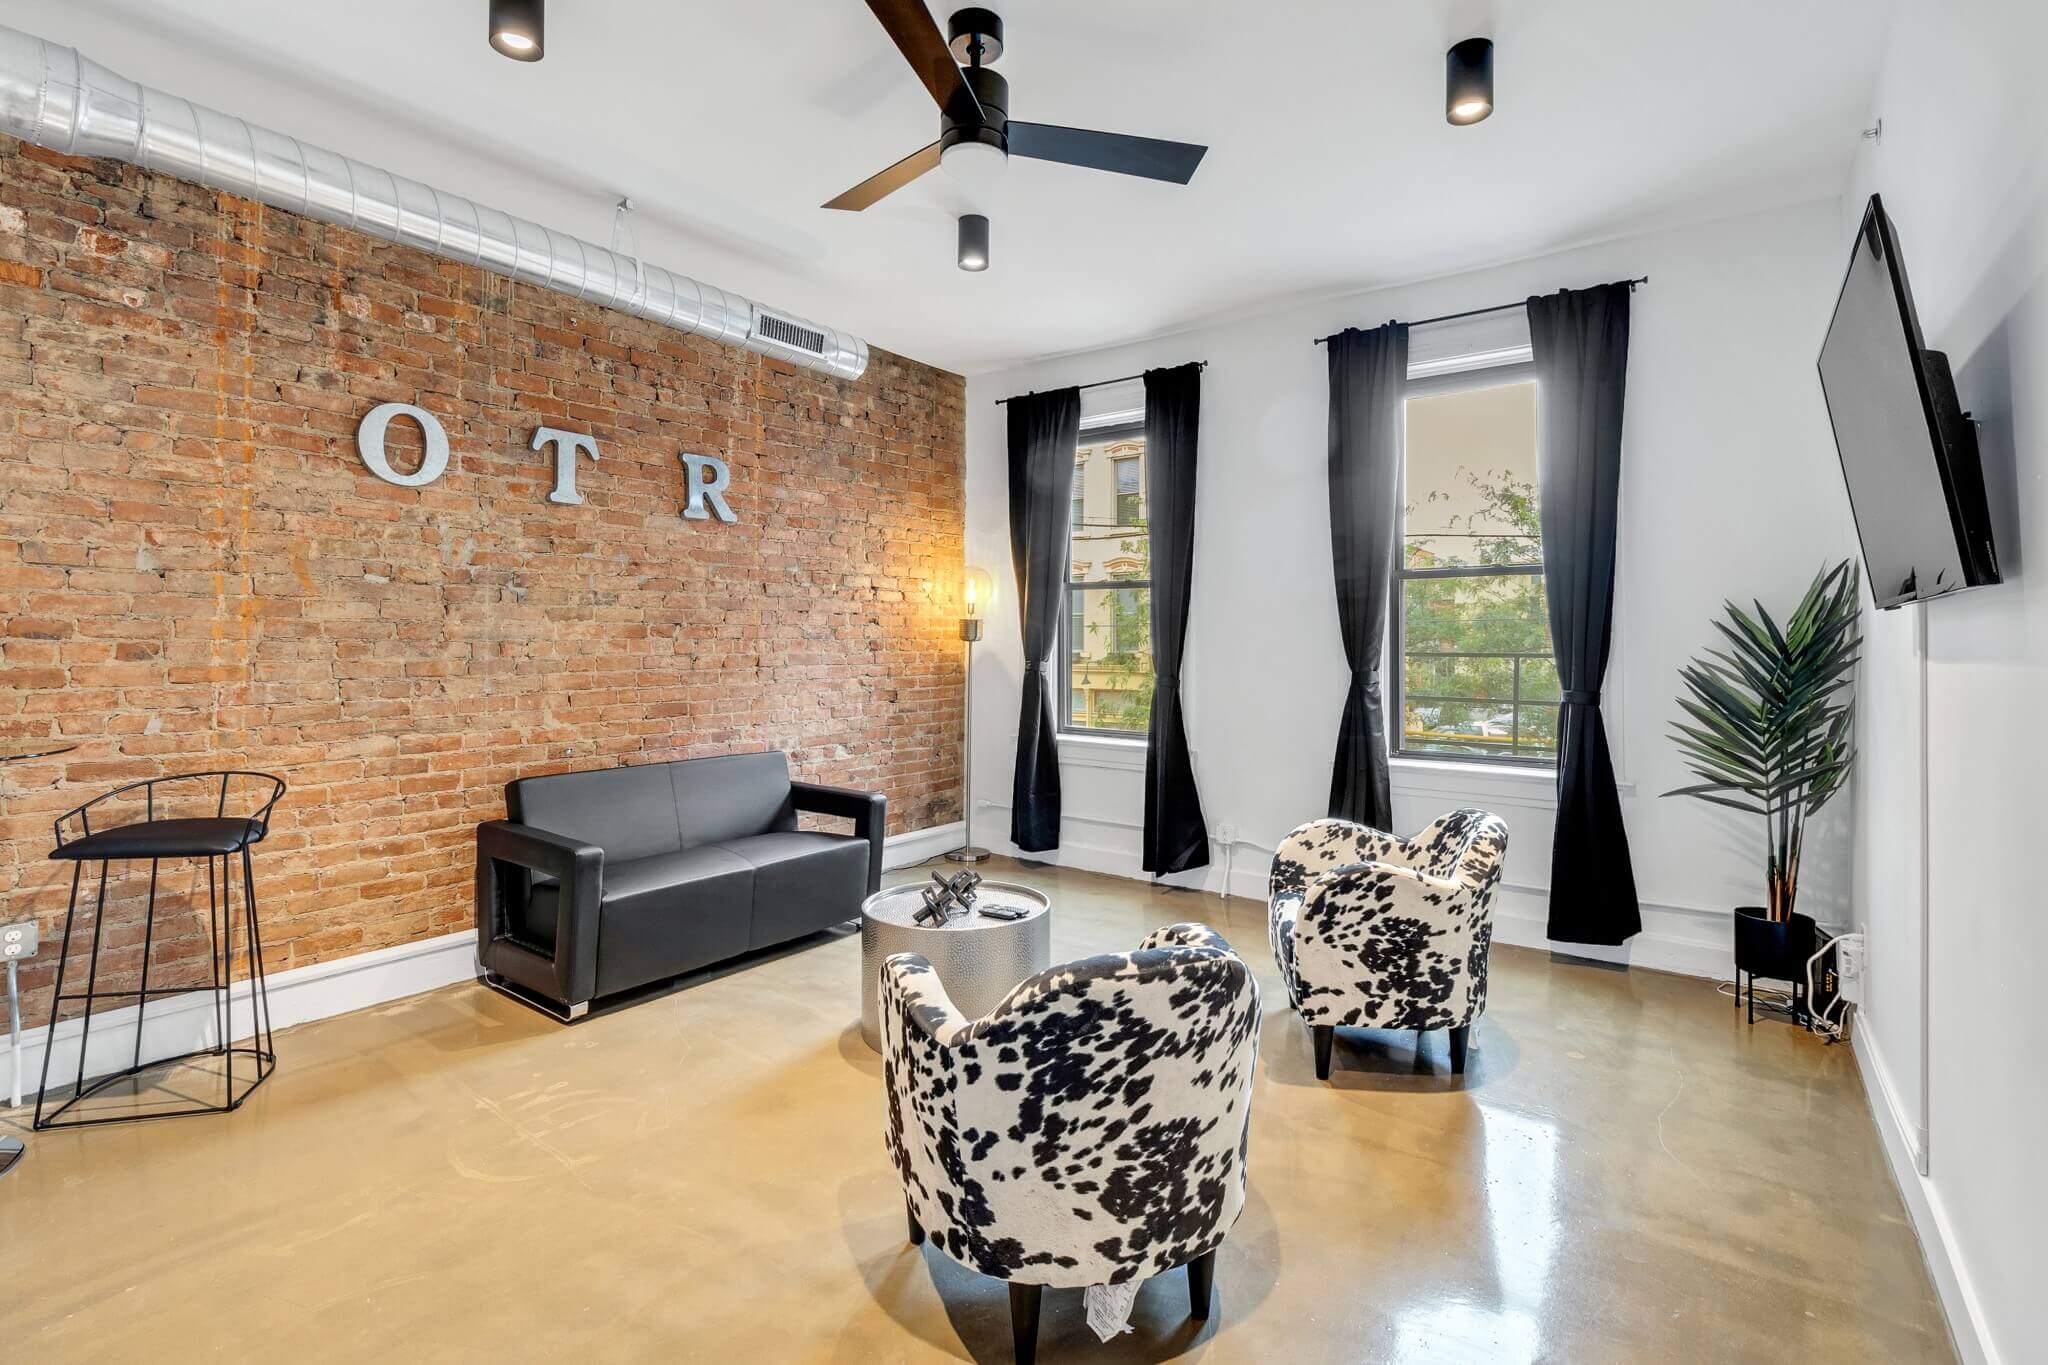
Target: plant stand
{"points": [[1776, 950]]}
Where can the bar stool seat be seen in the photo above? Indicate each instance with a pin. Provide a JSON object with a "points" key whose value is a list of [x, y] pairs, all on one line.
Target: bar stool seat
{"points": [[201, 838]]}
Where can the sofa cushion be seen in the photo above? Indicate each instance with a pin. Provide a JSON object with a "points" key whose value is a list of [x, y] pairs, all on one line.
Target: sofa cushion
{"points": [[731, 796], [669, 914], [628, 812], [804, 881]]}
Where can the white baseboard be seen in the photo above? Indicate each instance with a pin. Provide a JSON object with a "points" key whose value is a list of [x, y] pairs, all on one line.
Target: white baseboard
{"points": [[1924, 1206], [1689, 940], [915, 846], [1675, 938], [186, 1023]]}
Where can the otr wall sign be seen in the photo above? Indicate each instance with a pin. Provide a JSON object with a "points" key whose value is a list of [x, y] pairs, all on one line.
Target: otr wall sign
{"points": [[705, 476]]}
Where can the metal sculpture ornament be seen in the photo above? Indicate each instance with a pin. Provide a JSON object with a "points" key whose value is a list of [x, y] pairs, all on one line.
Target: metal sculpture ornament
{"points": [[705, 477]]}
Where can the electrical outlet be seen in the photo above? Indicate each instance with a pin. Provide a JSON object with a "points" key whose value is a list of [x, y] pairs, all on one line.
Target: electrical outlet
{"points": [[1227, 834], [17, 941]]}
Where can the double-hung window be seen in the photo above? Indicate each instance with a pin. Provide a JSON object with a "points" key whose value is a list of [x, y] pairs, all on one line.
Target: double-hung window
{"points": [[1106, 627], [1476, 678]]}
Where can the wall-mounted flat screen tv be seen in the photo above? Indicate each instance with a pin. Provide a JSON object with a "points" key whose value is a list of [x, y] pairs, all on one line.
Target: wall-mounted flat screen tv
{"points": [[1909, 451]]}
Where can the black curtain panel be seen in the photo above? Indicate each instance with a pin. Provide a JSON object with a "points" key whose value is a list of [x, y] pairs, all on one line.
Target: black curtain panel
{"points": [[1368, 374], [1045, 429], [1580, 342], [1175, 836]]}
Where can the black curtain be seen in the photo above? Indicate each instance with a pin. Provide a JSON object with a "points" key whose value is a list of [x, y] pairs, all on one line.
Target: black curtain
{"points": [[1045, 429], [1175, 836], [1580, 342], [1368, 374]]}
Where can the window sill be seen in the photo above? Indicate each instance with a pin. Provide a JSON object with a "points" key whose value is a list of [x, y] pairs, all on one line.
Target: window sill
{"points": [[1102, 751], [1450, 778]]}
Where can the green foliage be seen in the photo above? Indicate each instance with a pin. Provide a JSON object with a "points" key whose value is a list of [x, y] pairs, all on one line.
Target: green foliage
{"points": [[1124, 659], [1494, 617], [1770, 726]]}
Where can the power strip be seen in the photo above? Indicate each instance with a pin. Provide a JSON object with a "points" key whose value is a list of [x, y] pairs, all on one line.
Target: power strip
{"points": [[1851, 965]]}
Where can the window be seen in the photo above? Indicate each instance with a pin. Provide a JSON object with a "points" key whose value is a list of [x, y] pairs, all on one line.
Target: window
{"points": [[1106, 631], [1476, 676], [1130, 498]]}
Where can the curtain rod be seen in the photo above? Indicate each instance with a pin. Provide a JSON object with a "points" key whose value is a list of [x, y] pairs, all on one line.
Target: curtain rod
{"points": [[1121, 379], [1476, 312]]}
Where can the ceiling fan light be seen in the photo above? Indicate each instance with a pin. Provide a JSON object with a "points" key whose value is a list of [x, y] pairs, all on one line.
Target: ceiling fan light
{"points": [[974, 166], [973, 255], [1468, 81], [519, 29]]}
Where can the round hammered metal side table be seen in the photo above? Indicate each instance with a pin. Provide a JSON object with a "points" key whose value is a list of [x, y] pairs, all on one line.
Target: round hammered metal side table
{"points": [[979, 959]]}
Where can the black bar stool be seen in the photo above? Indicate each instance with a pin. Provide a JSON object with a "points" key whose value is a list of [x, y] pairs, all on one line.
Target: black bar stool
{"points": [[219, 838]]}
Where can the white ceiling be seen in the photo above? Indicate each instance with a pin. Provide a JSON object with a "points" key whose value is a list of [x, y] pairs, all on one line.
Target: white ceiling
{"points": [[1331, 168]]}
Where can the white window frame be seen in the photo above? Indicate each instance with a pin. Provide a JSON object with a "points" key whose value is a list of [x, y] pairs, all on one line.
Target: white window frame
{"points": [[1098, 433], [1482, 370]]}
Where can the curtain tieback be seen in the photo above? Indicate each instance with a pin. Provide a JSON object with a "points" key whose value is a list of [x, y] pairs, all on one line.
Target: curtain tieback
{"points": [[1036, 666], [1581, 696]]}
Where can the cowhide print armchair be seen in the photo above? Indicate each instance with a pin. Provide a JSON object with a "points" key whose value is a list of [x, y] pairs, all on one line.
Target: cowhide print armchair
{"points": [[1090, 1130], [1375, 931]]}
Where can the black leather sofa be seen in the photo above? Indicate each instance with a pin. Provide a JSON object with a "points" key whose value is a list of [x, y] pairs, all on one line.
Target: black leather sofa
{"points": [[606, 880]]}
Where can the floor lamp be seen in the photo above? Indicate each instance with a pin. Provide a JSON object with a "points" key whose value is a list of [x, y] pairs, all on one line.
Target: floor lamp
{"points": [[970, 632]]}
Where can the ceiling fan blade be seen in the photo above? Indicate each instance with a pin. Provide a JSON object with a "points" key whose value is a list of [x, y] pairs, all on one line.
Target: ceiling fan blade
{"points": [[1151, 157], [916, 35], [889, 181]]}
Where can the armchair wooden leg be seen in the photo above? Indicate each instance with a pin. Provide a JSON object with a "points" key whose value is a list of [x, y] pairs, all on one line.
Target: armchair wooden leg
{"points": [[1201, 1279], [916, 1228], [1325, 1035], [1460, 1038], [1024, 1301]]}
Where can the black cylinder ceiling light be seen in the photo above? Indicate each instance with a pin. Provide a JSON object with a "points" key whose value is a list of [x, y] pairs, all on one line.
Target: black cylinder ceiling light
{"points": [[1468, 81], [973, 242], [519, 29]]}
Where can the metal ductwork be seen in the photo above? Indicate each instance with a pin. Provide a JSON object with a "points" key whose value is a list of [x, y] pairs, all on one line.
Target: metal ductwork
{"points": [[56, 98]]}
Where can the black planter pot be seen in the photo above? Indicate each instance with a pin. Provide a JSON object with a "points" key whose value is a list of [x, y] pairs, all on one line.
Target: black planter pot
{"points": [[1776, 950]]}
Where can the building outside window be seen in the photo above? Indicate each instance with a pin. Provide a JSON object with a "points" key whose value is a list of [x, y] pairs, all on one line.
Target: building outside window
{"points": [[1476, 679], [1106, 630]]}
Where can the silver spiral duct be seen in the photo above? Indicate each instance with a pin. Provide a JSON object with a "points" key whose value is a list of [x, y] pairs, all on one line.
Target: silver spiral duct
{"points": [[54, 97]]}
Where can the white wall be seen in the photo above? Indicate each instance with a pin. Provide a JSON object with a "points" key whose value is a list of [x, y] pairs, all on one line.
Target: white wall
{"points": [[1963, 169], [1730, 487]]}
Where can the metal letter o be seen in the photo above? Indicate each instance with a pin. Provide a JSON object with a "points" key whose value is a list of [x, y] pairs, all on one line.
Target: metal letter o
{"points": [[370, 444]]}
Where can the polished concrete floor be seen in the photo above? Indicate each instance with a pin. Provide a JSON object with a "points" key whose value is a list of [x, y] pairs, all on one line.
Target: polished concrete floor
{"points": [[1628, 1173]]}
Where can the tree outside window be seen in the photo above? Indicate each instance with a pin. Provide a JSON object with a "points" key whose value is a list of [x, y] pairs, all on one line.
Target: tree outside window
{"points": [[1477, 678]]}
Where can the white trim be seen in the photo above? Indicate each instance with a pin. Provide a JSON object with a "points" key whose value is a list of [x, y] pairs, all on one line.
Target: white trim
{"points": [[1495, 782], [1960, 1300], [1686, 939], [1103, 751], [915, 846], [186, 1023], [1690, 940]]}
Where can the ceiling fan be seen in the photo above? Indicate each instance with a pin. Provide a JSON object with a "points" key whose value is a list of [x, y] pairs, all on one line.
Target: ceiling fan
{"points": [[976, 134]]}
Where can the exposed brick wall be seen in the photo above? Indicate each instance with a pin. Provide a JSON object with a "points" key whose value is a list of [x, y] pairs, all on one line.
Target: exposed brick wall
{"points": [[196, 570]]}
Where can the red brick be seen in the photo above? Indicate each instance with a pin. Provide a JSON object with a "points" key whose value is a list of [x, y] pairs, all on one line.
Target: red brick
{"points": [[196, 570]]}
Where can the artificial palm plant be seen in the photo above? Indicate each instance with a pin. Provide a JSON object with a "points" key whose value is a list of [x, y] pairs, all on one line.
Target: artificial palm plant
{"points": [[1772, 729]]}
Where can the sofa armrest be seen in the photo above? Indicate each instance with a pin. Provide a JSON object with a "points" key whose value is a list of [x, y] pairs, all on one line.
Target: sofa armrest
{"points": [[577, 867], [869, 812]]}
